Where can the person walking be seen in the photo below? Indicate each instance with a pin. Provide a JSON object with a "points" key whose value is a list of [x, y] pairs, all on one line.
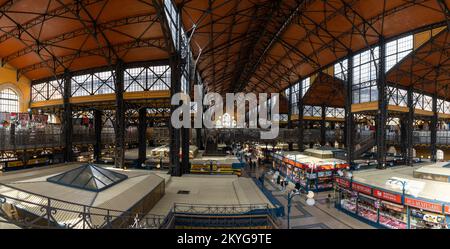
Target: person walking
{"points": [[329, 201], [283, 185]]}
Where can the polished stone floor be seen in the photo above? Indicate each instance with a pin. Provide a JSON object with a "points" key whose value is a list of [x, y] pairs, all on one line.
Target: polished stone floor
{"points": [[319, 216]]}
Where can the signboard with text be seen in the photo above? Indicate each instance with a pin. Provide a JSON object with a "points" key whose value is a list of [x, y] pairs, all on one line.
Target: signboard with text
{"points": [[343, 182], [362, 189], [424, 205], [447, 209], [387, 196]]}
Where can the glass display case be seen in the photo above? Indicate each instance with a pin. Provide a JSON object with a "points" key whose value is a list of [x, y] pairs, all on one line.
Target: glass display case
{"points": [[393, 216], [426, 220], [348, 200], [367, 208]]}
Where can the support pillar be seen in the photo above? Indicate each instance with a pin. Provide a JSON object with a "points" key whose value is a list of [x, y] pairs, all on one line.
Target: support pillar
{"points": [[410, 128], [98, 135], [382, 107], [289, 124], [67, 118], [142, 129], [323, 130], [120, 116], [175, 136], [433, 129], [185, 165], [199, 138], [403, 137], [301, 121]]}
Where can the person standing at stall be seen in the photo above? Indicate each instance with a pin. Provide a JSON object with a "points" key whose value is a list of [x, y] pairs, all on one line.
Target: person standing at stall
{"points": [[329, 201]]}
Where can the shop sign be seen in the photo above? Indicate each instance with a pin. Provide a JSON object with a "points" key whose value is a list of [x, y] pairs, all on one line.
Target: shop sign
{"points": [[362, 189], [299, 165], [387, 196], [434, 207], [343, 182]]}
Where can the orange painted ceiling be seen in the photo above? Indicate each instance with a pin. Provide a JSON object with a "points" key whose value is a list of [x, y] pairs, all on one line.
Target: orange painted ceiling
{"points": [[427, 68], [242, 45], [266, 45], [327, 91], [42, 38]]}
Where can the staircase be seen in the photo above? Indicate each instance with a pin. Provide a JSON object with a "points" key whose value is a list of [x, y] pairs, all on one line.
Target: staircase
{"points": [[366, 143]]}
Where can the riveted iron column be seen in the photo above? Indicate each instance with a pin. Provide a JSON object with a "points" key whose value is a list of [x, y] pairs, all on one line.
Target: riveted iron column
{"points": [[433, 129], [120, 116], [409, 129], [323, 130], [98, 135], [291, 146], [349, 118], [403, 136], [382, 107], [185, 151], [67, 117], [301, 122], [185, 138], [198, 133], [142, 129], [175, 166]]}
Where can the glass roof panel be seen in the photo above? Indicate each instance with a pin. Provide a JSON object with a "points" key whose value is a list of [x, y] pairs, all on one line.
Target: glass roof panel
{"points": [[88, 177]]}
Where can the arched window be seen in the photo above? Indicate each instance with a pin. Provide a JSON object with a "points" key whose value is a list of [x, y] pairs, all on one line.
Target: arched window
{"points": [[9, 101]]}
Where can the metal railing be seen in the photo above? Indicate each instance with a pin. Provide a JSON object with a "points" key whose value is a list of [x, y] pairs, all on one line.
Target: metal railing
{"points": [[52, 136], [203, 215], [285, 135], [29, 210]]}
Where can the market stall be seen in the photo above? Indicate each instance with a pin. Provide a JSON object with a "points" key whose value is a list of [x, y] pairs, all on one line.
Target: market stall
{"points": [[395, 199], [312, 173], [228, 165]]}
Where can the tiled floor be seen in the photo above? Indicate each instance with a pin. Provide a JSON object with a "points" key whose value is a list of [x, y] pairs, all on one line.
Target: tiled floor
{"points": [[209, 190]]}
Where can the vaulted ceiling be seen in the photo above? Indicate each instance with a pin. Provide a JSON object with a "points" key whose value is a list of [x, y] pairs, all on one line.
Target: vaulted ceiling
{"points": [[42, 38], [266, 45], [242, 45]]}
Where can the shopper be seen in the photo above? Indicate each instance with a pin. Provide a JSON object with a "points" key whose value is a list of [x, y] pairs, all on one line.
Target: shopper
{"points": [[329, 201], [285, 183]]}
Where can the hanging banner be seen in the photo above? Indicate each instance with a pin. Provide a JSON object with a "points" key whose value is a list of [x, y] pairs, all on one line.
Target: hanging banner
{"points": [[424, 205]]}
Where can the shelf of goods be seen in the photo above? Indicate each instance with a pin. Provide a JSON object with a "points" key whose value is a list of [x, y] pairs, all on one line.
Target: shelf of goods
{"points": [[313, 174], [17, 164], [164, 152], [390, 209]]}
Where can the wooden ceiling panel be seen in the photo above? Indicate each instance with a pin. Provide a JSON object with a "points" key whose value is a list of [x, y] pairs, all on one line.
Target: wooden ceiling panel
{"points": [[64, 32]]}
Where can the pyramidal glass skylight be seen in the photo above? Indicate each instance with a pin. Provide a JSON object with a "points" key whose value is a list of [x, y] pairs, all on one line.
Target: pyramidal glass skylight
{"points": [[88, 177]]}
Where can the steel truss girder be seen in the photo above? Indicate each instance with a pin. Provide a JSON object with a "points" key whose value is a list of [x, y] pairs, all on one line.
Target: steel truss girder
{"points": [[79, 32], [119, 48]]}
